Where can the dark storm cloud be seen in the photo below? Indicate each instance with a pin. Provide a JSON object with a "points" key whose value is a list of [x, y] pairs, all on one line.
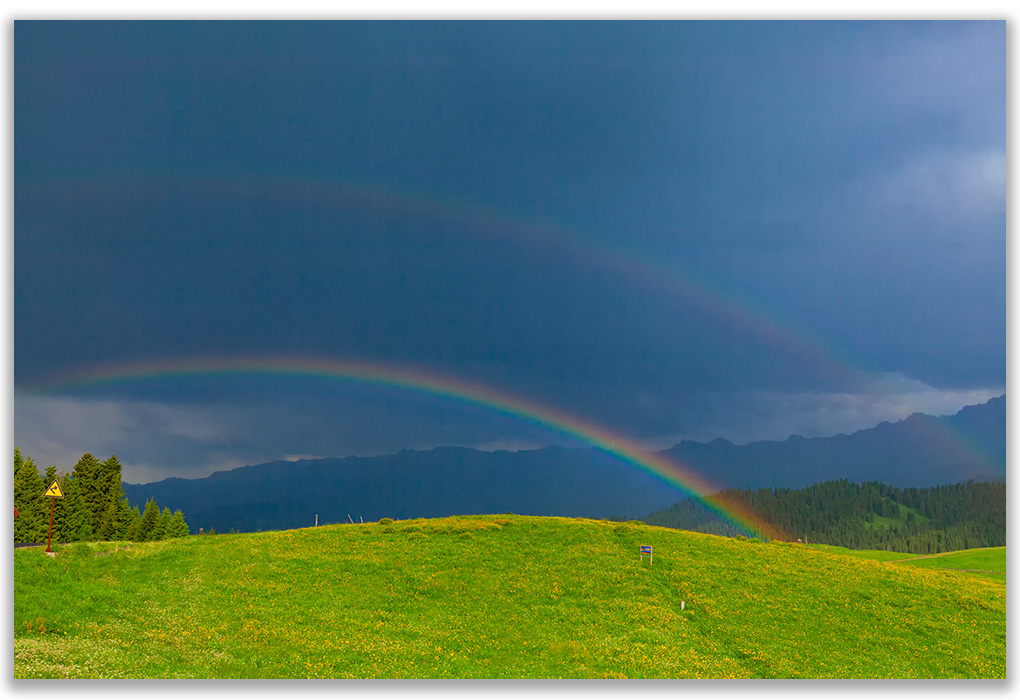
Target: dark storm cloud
{"points": [[829, 196], [188, 272]]}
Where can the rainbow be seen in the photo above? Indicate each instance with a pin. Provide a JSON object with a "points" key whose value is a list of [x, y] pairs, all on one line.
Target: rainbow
{"points": [[443, 386]]}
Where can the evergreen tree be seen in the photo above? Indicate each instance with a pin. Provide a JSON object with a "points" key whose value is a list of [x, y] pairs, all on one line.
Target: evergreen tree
{"points": [[159, 531], [77, 523], [148, 522], [177, 527], [28, 500], [109, 521], [134, 526], [92, 487], [125, 519], [111, 491]]}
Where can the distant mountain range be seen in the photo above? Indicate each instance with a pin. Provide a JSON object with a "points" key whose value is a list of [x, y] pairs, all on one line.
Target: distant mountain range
{"points": [[918, 451]]}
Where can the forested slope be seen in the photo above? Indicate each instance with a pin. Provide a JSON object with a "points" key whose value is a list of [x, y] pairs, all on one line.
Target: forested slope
{"points": [[871, 515]]}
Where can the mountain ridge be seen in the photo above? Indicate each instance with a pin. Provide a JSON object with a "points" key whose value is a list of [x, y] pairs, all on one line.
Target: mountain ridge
{"points": [[918, 451]]}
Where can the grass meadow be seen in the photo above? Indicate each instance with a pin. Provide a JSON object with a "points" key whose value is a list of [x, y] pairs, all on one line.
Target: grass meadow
{"points": [[876, 554], [989, 562], [496, 597]]}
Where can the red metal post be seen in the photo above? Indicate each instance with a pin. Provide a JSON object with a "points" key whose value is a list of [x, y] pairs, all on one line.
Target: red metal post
{"points": [[50, 541]]}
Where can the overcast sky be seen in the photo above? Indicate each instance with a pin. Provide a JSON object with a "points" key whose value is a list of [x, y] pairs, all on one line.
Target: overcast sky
{"points": [[673, 230]]}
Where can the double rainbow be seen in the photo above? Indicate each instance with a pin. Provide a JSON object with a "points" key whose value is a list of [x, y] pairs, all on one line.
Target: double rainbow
{"points": [[548, 236]]}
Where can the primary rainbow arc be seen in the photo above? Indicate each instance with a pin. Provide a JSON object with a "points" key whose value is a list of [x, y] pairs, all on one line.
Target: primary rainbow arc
{"points": [[445, 386]]}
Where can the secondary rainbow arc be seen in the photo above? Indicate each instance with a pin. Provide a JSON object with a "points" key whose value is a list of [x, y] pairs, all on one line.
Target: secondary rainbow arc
{"points": [[488, 220], [500, 401]]}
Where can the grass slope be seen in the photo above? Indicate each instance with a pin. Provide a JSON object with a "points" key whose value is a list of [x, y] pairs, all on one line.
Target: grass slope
{"points": [[989, 562], [899, 520], [495, 596], [986, 562], [877, 554]]}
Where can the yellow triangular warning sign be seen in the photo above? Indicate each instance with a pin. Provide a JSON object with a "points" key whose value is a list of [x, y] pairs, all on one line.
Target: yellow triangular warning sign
{"points": [[54, 491]]}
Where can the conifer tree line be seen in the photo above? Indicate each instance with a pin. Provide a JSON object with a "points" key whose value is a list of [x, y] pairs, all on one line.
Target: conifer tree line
{"points": [[93, 508], [871, 515]]}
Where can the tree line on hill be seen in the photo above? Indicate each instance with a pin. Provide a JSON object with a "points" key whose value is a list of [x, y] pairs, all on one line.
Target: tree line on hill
{"points": [[869, 515], [93, 508]]}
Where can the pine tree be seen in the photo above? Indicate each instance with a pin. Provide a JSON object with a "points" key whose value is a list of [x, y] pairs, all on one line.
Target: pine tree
{"points": [[29, 501], [108, 522], [77, 524], [61, 513], [148, 522], [125, 518], [88, 473], [177, 527], [111, 492], [134, 526], [159, 531]]}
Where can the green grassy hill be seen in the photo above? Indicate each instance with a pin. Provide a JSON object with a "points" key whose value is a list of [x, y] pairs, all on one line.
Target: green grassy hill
{"points": [[989, 562], [496, 596], [878, 554]]}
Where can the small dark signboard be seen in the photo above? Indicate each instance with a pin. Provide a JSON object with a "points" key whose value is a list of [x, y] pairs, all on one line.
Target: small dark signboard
{"points": [[646, 551]]}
